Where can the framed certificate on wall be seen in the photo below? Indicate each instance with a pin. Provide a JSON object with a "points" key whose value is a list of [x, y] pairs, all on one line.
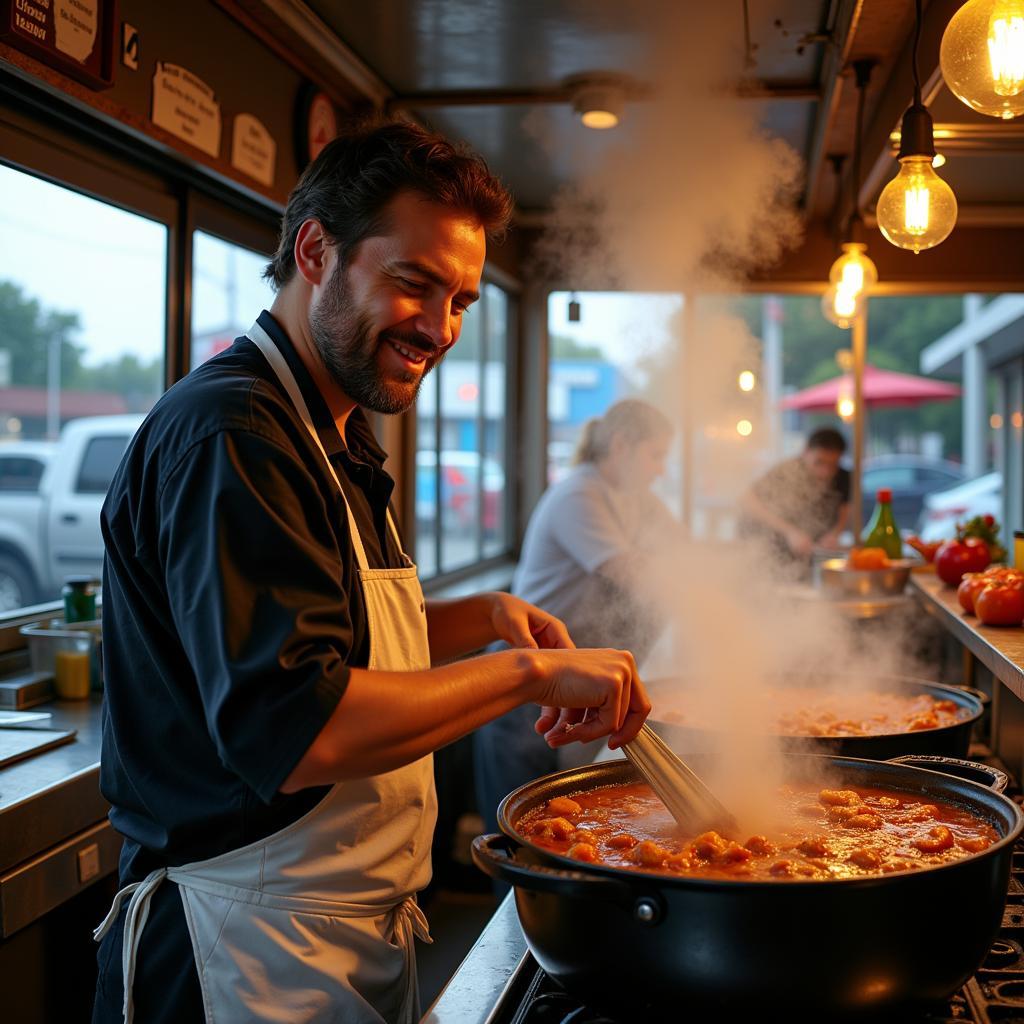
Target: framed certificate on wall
{"points": [[75, 37]]}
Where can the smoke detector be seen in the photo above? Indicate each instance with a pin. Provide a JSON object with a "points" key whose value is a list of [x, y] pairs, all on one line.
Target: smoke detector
{"points": [[598, 100]]}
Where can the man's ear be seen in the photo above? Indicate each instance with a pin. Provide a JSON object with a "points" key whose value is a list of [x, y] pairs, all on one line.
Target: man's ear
{"points": [[310, 252]]}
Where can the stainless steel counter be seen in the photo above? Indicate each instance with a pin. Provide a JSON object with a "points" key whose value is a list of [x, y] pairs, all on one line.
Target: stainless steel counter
{"points": [[474, 989], [54, 836], [999, 648]]}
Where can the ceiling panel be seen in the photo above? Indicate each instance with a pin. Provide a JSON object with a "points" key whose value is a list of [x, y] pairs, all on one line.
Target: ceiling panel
{"points": [[426, 45]]}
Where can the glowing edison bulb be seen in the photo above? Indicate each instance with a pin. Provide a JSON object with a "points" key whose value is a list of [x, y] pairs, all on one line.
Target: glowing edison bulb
{"points": [[845, 407], [1006, 54], [747, 381], [982, 56], [917, 209], [840, 305], [854, 271]]}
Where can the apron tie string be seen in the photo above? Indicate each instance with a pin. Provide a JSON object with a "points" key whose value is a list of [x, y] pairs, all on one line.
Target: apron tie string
{"points": [[141, 894], [409, 922]]}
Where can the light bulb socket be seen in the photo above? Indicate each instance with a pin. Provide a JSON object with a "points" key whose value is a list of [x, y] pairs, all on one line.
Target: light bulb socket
{"points": [[916, 135], [855, 229]]}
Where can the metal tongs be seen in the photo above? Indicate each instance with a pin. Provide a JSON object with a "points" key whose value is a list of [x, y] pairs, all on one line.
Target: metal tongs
{"points": [[689, 800]]}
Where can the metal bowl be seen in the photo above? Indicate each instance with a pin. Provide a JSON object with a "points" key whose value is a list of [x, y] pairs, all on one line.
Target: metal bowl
{"points": [[840, 582]]}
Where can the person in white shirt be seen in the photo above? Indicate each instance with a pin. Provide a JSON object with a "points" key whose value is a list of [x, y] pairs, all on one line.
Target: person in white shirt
{"points": [[592, 543]]}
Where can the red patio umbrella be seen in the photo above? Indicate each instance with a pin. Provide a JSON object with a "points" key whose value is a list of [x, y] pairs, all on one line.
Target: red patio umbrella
{"points": [[881, 387]]}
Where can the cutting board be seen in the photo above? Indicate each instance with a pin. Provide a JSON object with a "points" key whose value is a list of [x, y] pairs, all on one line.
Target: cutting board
{"points": [[16, 744]]}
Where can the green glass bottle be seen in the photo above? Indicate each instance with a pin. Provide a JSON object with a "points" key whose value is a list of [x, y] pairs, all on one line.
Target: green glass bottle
{"points": [[882, 531]]}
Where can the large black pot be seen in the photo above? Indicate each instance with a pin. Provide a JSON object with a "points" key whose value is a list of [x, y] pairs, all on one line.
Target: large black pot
{"points": [[949, 741], [654, 947]]}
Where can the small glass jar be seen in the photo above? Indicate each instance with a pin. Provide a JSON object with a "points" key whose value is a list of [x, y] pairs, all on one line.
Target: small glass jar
{"points": [[79, 595], [72, 671]]}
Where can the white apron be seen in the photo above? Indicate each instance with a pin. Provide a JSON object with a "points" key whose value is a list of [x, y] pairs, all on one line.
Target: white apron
{"points": [[316, 922]]}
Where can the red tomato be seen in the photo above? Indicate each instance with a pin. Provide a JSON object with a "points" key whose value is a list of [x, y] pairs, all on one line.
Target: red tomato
{"points": [[972, 584], [953, 559], [1001, 604], [980, 554]]}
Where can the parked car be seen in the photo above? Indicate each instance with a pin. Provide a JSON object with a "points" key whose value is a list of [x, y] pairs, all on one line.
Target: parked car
{"points": [[980, 496], [22, 464], [460, 482], [910, 478], [52, 529]]}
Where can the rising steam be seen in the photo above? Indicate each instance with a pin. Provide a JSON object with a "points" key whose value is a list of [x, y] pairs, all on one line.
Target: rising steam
{"points": [[691, 196]]}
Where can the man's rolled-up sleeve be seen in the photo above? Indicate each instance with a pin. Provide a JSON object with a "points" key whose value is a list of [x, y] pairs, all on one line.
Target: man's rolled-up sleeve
{"points": [[252, 568]]}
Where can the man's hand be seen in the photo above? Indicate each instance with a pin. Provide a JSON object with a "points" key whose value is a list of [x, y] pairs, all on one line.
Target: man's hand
{"points": [[587, 694], [798, 542], [521, 624]]}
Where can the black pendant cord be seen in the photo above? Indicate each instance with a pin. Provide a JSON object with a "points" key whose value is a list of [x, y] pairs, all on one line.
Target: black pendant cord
{"points": [[916, 135], [748, 56], [862, 71], [917, 43]]}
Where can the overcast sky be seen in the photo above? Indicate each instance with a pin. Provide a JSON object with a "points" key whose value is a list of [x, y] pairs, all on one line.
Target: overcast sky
{"points": [[76, 254], [625, 326]]}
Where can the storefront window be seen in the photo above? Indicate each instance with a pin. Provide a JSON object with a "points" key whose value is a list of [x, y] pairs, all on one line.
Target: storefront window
{"points": [[603, 347], [83, 307], [461, 493], [228, 293]]}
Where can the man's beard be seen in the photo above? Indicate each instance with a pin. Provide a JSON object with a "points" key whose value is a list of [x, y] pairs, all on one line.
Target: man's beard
{"points": [[349, 350]]}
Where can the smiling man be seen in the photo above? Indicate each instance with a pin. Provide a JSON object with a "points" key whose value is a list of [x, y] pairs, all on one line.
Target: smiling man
{"points": [[271, 706]]}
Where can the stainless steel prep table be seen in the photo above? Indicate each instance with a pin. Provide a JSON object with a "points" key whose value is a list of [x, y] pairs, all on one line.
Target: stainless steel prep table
{"points": [[55, 839]]}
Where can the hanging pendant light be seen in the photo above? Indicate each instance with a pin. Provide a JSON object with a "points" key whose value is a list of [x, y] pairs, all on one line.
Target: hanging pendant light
{"points": [[854, 270], [917, 209], [840, 306], [982, 56], [853, 274]]}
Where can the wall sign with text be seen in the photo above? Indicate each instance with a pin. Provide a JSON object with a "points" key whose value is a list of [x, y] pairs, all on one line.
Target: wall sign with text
{"points": [[185, 106], [75, 37]]}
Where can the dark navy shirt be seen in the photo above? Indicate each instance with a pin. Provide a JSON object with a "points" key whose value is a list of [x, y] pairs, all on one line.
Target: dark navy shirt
{"points": [[232, 610]]}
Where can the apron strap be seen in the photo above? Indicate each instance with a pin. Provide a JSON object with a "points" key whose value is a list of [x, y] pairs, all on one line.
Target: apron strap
{"points": [[141, 894], [408, 922], [259, 337]]}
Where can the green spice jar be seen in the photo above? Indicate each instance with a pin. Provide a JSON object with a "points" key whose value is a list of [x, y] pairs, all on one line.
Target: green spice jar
{"points": [[79, 595]]}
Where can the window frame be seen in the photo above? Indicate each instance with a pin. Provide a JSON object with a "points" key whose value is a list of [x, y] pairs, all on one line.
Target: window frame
{"points": [[203, 214], [51, 144], [50, 140], [442, 578]]}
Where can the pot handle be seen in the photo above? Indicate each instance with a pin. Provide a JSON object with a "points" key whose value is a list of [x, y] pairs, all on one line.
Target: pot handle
{"points": [[985, 774], [975, 692], [495, 856]]}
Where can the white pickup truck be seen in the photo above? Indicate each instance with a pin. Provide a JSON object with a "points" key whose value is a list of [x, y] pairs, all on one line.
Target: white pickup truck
{"points": [[50, 498]]}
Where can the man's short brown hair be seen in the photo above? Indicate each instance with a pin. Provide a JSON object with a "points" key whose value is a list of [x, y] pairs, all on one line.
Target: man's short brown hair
{"points": [[348, 185]]}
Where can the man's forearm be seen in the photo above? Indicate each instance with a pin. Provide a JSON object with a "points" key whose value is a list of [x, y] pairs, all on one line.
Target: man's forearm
{"points": [[459, 626], [389, 719]]}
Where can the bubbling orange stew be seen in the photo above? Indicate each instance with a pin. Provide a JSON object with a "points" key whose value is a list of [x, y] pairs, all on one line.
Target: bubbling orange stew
{"points": [[807, 712], [821, 834]]}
